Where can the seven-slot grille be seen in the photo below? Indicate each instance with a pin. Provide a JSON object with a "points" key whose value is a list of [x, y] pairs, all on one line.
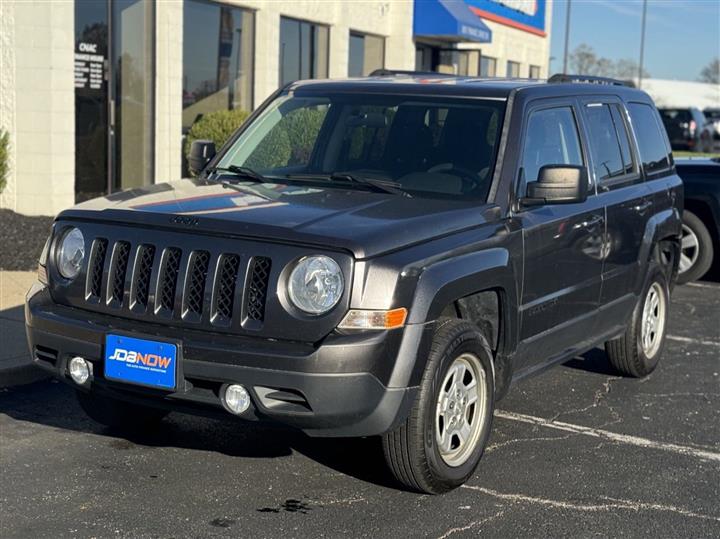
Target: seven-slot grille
{"points": [[155, 278]]}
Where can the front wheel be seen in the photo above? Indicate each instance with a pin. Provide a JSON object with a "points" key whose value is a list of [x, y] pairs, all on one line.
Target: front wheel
{"points": [[440, 444], [637, 351]]}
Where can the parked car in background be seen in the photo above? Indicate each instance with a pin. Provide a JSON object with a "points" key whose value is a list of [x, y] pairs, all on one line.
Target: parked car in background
{"points": [[713, 116], [688, 129], [701, 218]]}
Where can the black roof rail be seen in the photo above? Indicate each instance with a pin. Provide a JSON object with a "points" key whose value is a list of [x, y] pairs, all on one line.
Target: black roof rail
{"points": [[394, 72], [590, 79]]}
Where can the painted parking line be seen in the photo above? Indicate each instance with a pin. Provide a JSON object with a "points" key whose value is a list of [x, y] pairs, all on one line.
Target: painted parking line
{"points": [[692, 341], [704, 285], [608, 504], [611, 436]]}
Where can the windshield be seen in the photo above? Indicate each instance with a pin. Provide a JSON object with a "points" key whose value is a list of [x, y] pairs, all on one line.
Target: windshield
{"points": [[430, 147]]}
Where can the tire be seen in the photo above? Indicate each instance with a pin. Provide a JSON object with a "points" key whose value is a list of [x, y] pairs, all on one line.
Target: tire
{"points": [[412, 450], [696, 249], [630, 354], [119, 415]]}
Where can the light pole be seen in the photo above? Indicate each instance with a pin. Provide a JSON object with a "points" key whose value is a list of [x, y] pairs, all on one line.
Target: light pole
{"points": [[567, 37], [642, 44]]}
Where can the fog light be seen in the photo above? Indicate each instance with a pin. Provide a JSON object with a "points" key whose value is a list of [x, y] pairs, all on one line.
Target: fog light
{"points": [[236, 398], [80, 370]]}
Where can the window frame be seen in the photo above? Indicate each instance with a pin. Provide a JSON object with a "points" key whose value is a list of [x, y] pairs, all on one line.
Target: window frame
{"points": [[545, 104], [663, 133], [508, 63], [313, 60], [253, 57], [359, 33], [630, 178], [491, 59]]}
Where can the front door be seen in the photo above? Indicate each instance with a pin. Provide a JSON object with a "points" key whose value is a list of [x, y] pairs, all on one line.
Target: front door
{"points": [[563, 246]]}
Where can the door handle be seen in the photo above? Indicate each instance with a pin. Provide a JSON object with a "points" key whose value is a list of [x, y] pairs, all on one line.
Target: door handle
{"points": [[590, 223], [643, 206]]}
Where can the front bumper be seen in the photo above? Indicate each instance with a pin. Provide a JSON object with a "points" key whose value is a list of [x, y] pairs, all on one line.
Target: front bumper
{"points": [[337, 388]]}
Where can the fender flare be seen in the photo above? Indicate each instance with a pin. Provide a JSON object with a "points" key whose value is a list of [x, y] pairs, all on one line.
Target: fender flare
{"points": [[445, 282], [664, 224]]}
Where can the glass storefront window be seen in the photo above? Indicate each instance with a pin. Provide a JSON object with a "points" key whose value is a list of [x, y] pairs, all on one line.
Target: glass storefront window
{"points": [[367, 53], [91, 99], [218, 43], [133, 51], [513, 69], [303, 50], [534, 72], [488, 66]]}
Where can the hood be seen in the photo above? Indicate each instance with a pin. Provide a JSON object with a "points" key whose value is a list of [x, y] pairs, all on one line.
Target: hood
{"points": [[362, 222]]}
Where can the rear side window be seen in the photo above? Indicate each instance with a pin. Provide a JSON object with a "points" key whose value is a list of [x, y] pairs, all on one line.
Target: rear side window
{"points": [[551, 139], [609, 144], [654, 152]]}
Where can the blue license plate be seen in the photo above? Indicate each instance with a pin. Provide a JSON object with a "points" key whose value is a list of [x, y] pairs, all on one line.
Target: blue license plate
{"points": [[139, 361]]}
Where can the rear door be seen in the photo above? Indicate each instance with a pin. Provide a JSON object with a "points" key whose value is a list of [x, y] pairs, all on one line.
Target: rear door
{"points": [[628, 204], [563, 243]]}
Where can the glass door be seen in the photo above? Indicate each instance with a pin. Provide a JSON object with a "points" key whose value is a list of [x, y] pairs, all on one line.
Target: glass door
{"points": [[132, 93], [91, 99]]}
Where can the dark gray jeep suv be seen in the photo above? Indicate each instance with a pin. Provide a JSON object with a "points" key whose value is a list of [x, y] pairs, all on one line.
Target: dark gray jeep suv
{"points": [[379, 256]]}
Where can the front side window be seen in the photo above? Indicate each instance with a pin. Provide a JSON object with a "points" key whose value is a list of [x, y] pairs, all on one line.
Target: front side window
{"points": [[551, 138], [366, 54], [303, 50], [654, 151], [609, 145], [217, 59], [431, 147]]}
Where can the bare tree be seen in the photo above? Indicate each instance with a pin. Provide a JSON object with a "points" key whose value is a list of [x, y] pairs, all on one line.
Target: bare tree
{"points": [[584, 61], [711, 72]]}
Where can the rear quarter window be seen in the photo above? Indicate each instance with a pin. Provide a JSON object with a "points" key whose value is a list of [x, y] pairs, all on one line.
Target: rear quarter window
{"points": [[652, 144]]}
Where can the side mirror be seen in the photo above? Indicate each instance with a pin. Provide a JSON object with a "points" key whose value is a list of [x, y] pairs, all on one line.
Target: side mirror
{"points": [[558, 184], [201, 152]]}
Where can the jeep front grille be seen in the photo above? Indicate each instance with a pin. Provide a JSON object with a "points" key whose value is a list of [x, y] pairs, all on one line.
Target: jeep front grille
{"points": [[170, 266], [168, 283], [225, 290], [257, 288], [118, 271], [143, 270], [194, 295], [93, 290]]}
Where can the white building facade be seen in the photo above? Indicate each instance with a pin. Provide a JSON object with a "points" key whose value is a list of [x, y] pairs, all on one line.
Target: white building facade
{"points": [[97, 94]]}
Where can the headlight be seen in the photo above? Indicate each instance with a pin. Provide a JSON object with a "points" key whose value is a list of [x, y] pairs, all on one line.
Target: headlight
{"points": [[70, 253], [316, 284]]}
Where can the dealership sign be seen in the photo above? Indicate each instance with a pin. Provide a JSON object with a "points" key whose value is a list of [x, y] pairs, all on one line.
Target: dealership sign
{"points": [[526, 15]]}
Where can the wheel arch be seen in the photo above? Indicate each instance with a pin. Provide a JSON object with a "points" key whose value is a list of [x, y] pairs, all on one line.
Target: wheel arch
{"points": [[479, 287]]}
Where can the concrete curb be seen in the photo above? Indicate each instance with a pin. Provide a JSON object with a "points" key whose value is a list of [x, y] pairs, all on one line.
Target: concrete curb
{"points": [[21, 375]]}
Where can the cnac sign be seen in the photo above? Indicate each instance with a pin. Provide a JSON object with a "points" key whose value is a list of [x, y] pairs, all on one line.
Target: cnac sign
{"points": [[525, 15]]}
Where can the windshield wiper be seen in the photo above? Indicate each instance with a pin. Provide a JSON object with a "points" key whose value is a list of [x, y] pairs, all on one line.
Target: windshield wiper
{"points": [[249, 190], [385, 186], [244, 173]]}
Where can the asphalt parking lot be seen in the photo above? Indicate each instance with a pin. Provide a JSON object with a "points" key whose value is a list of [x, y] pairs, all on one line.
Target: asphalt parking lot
{"points": [[577, 452]]}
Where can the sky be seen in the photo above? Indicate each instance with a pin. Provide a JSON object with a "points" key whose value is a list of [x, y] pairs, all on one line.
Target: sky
{"points": [[681, 36]]}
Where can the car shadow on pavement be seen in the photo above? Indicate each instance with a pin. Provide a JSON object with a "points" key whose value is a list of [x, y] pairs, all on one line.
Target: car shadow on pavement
{"points": [[53, 404], [595, 361]]}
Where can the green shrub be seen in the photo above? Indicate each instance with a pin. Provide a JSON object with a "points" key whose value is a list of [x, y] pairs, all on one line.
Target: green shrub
{"points": [[4, 158], [216, 126]]}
